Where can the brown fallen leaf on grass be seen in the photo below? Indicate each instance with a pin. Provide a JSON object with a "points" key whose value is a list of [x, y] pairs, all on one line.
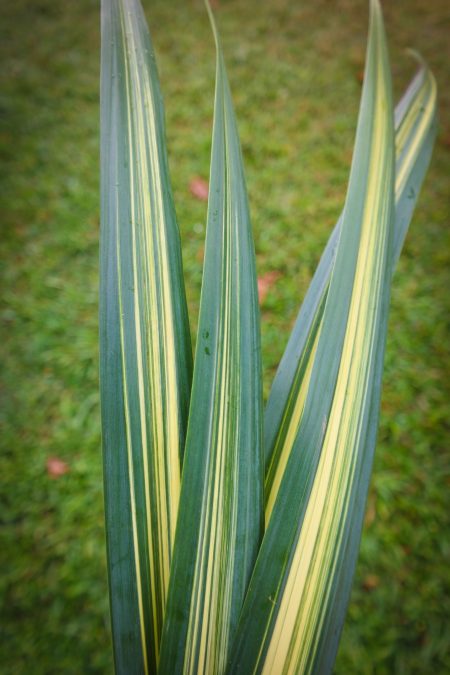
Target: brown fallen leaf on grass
{"points": [[200, 254], [56, 467], [265, 283], [371, 582], [198, 187]]}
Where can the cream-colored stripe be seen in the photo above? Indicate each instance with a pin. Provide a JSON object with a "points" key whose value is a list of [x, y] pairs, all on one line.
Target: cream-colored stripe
{"points": [[165, 427], [171, 403], [170, 464], [133, 504], [403, 137], [127, 414], [162, 370], [422, 129], [207, 591], [150, 277], [157, 502], [130, 450], [208, 628], [296, 622], [404, 130], [281, 457]]}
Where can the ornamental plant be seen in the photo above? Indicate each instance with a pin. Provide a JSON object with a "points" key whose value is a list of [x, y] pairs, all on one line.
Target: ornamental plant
{"points": [[233, 530]]}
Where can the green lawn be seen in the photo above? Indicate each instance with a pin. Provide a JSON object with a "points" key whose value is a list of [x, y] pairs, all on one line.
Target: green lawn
{"points": [[295, 70]]}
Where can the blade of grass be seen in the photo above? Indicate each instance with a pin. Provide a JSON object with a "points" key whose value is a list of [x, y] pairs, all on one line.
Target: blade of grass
{"points": [[145, 351], [415, 120], [294, 609], [220, 519]]}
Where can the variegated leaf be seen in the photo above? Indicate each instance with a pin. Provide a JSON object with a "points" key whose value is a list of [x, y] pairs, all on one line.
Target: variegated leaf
{"points": [[145, 349], [221, 508], [294, 609], [415, 121]]}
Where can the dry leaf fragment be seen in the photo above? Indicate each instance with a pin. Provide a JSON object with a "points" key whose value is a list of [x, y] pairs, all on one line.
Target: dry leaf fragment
{"points": [[199, 188], [371, 582], [265, 283], [56, 467]]}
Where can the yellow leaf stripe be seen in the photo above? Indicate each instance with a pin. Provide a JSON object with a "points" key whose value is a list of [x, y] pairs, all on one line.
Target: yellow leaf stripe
{"points": [[294, 609], [210, 604], [303, 603], [157, 388], [417, 124], [410, 134], [221, 509], [291, 422], [155, 356]]}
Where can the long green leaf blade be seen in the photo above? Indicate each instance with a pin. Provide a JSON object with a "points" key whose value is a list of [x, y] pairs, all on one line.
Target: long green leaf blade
{"points": [[415, 121], [144, 339], [293, 612], [220, 519]]}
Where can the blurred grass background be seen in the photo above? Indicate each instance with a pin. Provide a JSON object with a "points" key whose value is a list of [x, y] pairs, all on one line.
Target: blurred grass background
{"points": [[295, 70]]}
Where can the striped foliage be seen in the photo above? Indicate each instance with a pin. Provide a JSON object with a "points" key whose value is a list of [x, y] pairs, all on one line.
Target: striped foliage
{"points": [[220, 521], [197, 584], [144, 339], [415, 126], [299, 588]]}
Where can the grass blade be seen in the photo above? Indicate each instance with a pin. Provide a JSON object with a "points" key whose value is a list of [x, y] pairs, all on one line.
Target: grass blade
{"points": [[415, 121], [294, 609], [144, 339], [221, 508]]}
